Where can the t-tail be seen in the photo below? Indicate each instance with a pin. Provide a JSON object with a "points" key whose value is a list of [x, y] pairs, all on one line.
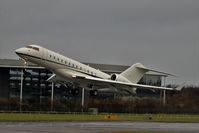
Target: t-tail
{"points": [[137, 71], [134, 73]]}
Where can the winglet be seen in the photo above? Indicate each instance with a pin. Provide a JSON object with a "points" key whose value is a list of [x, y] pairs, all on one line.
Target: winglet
{"points": [[179, 88], [51, 78]]}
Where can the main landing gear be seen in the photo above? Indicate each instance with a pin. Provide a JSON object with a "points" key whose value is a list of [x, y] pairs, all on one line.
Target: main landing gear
{"points": [[74, 92], [93, 92]]}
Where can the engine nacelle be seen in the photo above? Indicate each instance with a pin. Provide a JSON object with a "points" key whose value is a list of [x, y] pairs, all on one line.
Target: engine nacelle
{"points": [[117, 77]]}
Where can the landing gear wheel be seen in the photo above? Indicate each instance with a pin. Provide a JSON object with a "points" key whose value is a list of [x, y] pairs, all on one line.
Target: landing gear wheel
{"points": [[74, 92], [93, 92]]}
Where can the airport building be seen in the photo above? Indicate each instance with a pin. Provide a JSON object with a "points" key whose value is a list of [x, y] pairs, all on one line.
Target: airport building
{"points": [[29, 82]]}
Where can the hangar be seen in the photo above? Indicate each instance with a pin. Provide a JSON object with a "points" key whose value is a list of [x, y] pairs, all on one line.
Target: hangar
{"points": [[17, 81]]}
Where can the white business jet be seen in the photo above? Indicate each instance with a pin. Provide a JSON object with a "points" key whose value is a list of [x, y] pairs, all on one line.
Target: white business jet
{"points": [[68, 71]]}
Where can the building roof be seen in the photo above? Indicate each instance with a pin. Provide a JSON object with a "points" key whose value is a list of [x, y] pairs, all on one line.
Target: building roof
{"points": [[16, 63]]}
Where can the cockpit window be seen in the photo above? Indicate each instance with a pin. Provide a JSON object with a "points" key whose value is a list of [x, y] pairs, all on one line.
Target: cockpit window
{"points": [[28, 46], [35, 48]]}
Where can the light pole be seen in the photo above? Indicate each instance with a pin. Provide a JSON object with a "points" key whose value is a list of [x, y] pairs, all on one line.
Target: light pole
{"points": [[83, 99], [21, 91], [52, 96], [164, 92]]}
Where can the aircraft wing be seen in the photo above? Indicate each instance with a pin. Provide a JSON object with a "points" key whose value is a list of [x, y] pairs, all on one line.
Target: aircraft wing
{"points": [[118, 84]]}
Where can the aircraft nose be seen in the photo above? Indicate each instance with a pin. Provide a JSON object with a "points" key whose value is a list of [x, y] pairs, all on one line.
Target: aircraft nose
{"points": [[19, 51]]}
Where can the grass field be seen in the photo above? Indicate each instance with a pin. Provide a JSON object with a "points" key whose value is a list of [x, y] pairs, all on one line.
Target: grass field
{"points": [[142, 132], [25, 117]]}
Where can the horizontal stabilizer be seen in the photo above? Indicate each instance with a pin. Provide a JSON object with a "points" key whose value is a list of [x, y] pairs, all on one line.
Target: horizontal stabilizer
{"points": [[152, 70]]}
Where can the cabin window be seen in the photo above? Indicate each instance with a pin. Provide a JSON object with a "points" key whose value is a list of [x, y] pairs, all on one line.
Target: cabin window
{"points": [[50, 56], [54, 57], [92, 73], [69, 63], [87, 71], [65, 62], [61, 60], [73, 65], [58, 59], [80, 68]]}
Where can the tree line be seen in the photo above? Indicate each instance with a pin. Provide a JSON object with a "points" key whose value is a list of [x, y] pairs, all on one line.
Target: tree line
{"points": [[185, 101]]}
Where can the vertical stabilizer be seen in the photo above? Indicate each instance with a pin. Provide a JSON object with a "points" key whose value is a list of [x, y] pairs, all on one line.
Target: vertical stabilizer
{"points": [[134, 73]]}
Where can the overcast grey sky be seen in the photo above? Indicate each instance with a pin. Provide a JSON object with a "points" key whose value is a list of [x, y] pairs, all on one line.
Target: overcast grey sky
{"points": [[161, 34]]}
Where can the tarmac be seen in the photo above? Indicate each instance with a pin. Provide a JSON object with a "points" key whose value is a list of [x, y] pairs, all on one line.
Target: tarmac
{"points": [[95, 127]]}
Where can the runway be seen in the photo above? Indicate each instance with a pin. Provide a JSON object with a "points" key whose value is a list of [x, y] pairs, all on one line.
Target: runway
{"points": [[95, 127]]}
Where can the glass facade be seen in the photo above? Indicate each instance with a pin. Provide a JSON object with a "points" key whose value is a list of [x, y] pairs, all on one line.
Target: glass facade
{"points": [[36, 91], [154, 80]]}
